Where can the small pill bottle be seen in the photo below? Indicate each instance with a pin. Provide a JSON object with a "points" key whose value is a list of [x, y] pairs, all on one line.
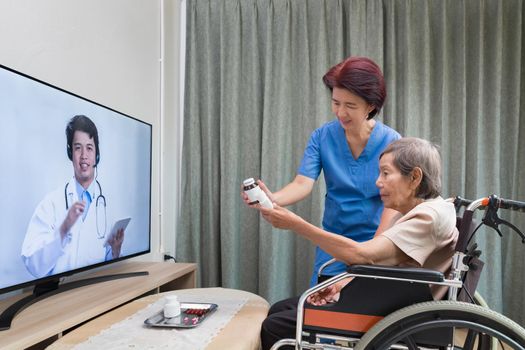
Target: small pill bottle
{"points": [[255, 194], [172, 307]]}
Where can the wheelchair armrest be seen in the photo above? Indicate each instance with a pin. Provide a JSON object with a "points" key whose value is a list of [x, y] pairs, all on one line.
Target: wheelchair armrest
{"points": [[329, 262], [397, 272]]}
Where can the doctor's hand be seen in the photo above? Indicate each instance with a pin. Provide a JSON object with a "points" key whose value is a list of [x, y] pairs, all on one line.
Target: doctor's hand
{"points": [[115, 243], [280, 217], [73, 213]]}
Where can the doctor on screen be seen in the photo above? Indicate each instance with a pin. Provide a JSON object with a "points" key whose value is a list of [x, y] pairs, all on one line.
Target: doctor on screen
{"points": [[68, 228]]}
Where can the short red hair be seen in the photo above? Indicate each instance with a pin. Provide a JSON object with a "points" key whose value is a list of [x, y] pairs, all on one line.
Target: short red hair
{"points": [[362, 77]]}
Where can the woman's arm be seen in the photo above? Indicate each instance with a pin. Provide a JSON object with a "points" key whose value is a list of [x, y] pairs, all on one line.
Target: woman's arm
{"points": [[292, 193], [379, 250]]}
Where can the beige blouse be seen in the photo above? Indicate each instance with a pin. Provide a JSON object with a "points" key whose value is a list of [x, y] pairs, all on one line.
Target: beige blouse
{"points": [[428, 235]]}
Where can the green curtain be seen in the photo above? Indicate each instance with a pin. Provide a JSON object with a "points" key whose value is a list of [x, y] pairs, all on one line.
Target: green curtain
{"points": [[253, 94]]}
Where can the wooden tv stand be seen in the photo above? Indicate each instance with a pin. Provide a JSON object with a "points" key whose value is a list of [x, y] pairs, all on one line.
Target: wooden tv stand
{"points": [[46, 320]]}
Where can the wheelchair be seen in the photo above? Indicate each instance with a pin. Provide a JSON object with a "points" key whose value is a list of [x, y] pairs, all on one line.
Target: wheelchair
{"points": [[387, 307]]}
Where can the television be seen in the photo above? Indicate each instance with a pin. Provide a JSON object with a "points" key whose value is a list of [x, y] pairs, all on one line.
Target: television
{"points": [[75, 189]]}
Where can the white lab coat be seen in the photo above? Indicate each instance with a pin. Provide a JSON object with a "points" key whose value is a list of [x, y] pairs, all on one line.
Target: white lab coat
{"points": [[43, 251]]}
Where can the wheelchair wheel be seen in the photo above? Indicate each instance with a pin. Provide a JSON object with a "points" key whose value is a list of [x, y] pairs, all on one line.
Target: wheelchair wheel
{"points": [[472, 326], [478, 300]]}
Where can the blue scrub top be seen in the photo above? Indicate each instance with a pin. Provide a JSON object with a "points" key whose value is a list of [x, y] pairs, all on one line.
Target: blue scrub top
{"points": [[353, 206]]}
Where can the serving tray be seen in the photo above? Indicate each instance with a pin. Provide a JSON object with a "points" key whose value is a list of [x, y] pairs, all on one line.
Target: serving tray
{"points": [[191, 315]]}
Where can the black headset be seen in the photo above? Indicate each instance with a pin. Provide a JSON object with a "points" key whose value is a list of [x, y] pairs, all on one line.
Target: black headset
{"points": [[70, 154], [87, 124], [70, 130]]}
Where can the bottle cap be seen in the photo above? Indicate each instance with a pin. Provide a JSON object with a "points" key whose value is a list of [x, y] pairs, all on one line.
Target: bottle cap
{"points": [[248, 181]]}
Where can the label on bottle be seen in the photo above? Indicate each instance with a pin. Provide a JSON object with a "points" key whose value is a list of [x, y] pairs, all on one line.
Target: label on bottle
{"points": [[253, 194], [256, 195]]}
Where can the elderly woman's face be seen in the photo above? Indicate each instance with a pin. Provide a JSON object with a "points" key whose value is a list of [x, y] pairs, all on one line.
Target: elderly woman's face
{"points": [[397, 191]]}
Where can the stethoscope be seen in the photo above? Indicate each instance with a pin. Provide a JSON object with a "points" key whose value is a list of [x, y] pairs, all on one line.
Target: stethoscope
{"points": [[102, 200]]}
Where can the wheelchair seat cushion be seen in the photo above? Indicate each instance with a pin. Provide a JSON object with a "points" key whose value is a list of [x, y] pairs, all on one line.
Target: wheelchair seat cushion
{"points": [[363, 302]]}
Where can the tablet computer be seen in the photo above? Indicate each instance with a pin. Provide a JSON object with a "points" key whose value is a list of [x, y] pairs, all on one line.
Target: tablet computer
{"points": [[119, 224]]}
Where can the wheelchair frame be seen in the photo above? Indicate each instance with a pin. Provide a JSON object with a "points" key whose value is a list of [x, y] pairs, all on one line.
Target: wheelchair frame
{"points": [[401, 324]]}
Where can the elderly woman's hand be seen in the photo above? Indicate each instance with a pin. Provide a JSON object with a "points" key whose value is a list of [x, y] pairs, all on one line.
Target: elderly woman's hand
{"points": [[328, 295], [280, 217]]}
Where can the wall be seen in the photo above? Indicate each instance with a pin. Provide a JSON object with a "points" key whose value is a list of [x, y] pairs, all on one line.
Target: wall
{"points": [[123, 54]]}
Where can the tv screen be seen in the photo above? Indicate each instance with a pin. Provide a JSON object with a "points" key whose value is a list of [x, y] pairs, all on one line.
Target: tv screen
{"points": [[76, 183]]}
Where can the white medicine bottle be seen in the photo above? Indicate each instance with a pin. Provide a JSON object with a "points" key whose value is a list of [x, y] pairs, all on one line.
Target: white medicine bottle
{"points": [[172, 307], [255, 194]]}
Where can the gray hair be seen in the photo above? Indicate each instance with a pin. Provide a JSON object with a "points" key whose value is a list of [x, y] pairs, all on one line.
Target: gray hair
{"points": [[412, 152]]}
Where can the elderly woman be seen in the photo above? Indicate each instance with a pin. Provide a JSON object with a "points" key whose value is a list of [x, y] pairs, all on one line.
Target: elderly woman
{"points": [[423, 234]]}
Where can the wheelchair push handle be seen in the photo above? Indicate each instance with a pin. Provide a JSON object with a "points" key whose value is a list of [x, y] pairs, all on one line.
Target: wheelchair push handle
{"points": [[461, 202], [508, 203], [492, 201], [491, 218], [491, 205]]}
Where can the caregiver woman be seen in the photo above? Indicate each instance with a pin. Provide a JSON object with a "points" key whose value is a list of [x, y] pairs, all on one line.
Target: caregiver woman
{"points": [[347, 150]]}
